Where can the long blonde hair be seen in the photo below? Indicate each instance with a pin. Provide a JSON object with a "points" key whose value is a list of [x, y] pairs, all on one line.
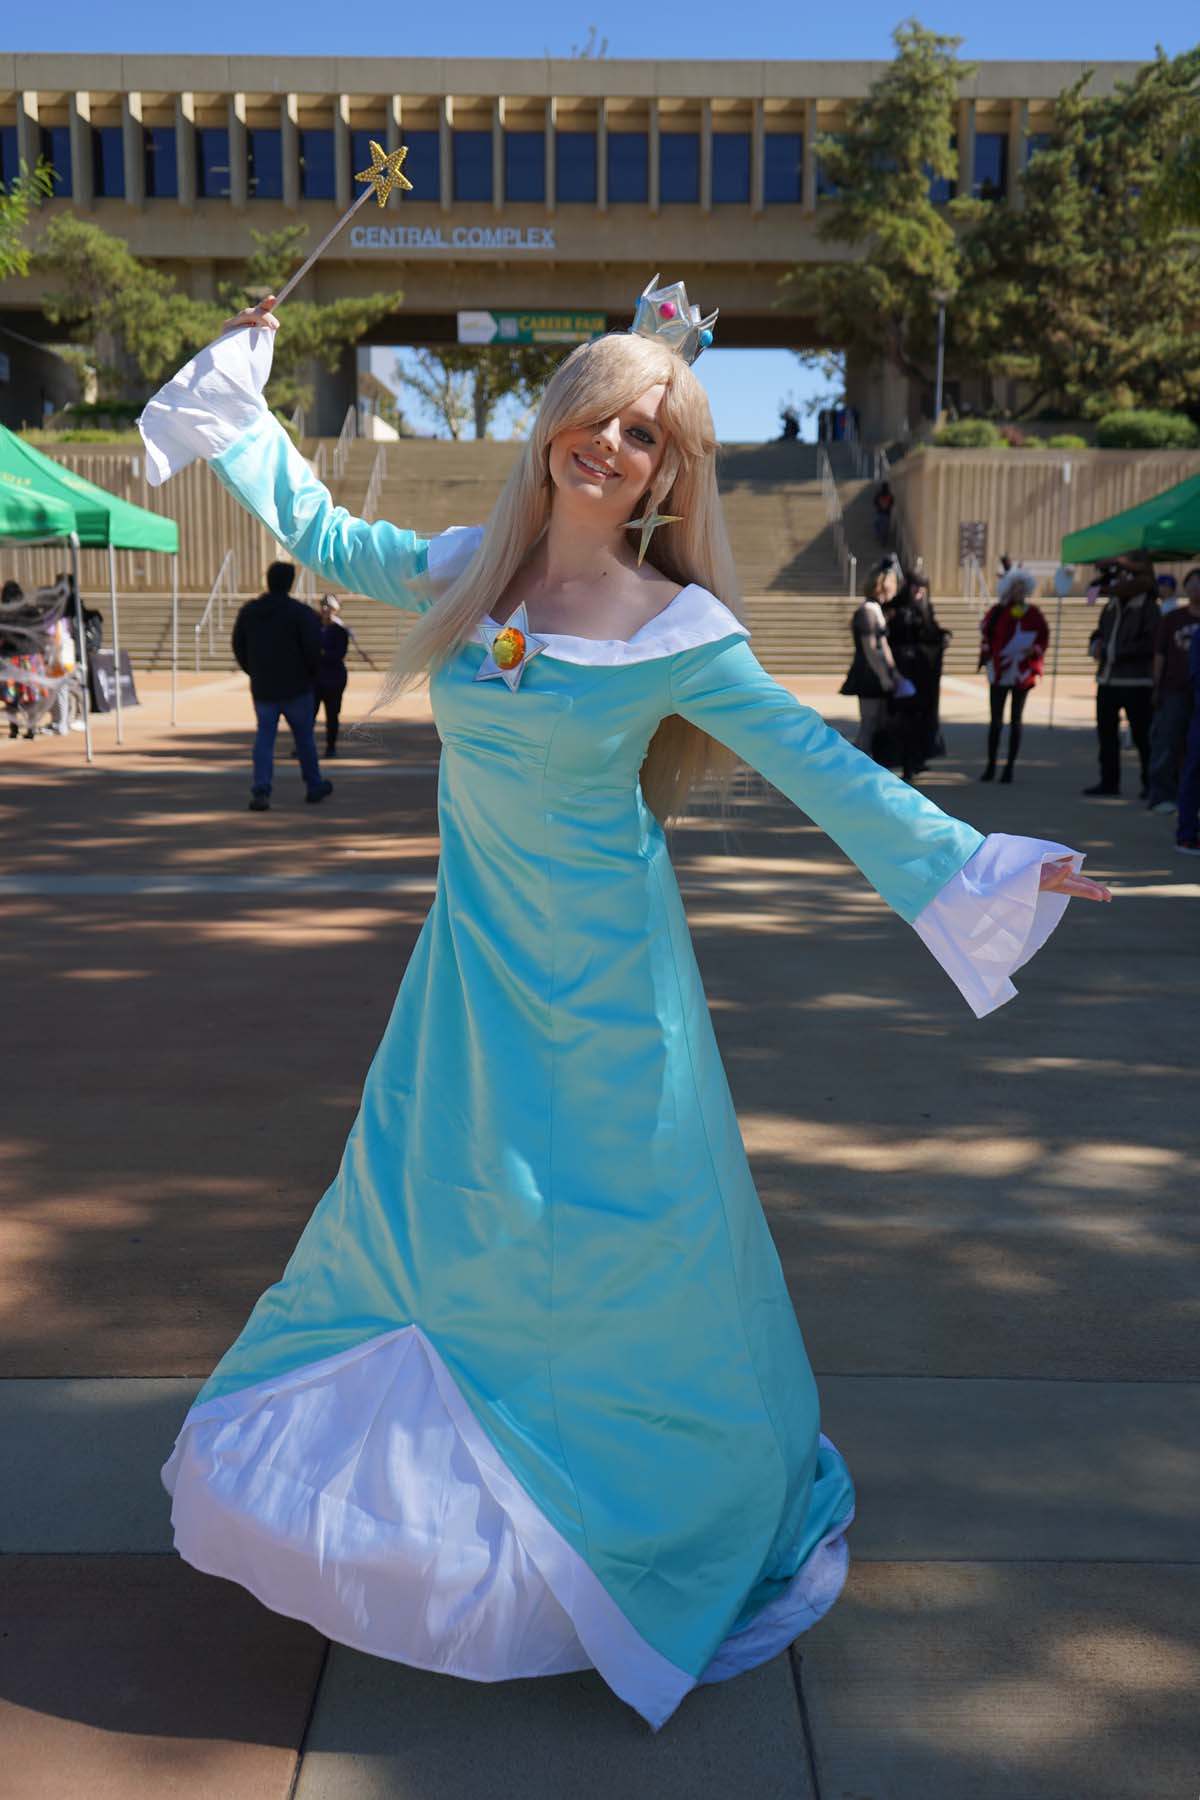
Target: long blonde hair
{"points": [[597, 381]]}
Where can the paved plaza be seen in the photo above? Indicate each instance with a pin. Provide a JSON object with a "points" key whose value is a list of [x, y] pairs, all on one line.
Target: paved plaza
{"points": [[989, 1229]]}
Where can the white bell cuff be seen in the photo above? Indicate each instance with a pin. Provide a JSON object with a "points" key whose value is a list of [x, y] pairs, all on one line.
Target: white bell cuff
{"points": [[992, 916], [209, 404], [451, 551]]}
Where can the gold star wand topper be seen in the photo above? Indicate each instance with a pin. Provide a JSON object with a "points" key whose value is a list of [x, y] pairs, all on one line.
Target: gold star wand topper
{"points": [[648, 524], [383, 179]]}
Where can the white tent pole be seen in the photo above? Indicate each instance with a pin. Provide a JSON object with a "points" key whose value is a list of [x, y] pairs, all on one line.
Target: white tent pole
{"points": [[116, 629], [174, 632], [83, 661]]}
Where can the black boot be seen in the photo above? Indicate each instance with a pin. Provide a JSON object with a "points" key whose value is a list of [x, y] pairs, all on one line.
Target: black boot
{"points": [[989, 774]]}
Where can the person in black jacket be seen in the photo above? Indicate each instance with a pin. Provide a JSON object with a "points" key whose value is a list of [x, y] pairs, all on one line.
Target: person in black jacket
{"points": [[1123, 648], [277, 640]]}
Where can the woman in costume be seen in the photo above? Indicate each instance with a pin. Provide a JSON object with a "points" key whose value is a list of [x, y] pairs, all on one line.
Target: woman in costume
{"points": [[1014, 641], [872, 676], [336, 639], [530, 1395]]}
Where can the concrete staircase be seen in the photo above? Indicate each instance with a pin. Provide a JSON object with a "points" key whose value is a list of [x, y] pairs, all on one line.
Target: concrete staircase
{"points": [[787, 561]]}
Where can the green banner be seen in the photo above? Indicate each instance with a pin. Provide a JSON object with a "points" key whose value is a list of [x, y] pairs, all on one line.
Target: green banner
{"points": [[530, 327]]}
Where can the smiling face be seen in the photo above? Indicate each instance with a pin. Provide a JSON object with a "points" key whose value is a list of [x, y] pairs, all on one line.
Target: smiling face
{"points": [[601, 471]]}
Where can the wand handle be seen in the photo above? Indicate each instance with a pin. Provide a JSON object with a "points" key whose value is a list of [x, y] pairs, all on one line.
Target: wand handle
{"points": [[309, 260]]}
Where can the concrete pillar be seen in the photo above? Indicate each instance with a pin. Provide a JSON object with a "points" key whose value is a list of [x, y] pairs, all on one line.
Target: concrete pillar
{"points": [[655, 157], [880, 392], [343, 174], [602, 156], [82, 174], [133, 144], [758, 157], [706, 155], [29, 130], [289, 146], [808, 190], [185, 149], [966, 148], [497, 158], [1018, 150], [333, 392], [551, 156], [445, 152], [395, 132], [239, 184]]}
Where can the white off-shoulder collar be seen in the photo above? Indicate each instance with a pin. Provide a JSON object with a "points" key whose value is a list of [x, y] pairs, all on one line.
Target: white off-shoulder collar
{"points": [[694, 617]]}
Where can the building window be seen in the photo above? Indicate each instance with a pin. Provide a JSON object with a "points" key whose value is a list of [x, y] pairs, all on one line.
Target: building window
{"points": [[575, 167], [212, 162], [731, 168], [264, 163], [360, 152], [991, 165], [56, 148], [472, 165], [316, 164], [679, 168], [628, 167], [783, 168], [525, 165], [8, 154], [423, 164], [162, 169], [1036, 142], [108, 162]]}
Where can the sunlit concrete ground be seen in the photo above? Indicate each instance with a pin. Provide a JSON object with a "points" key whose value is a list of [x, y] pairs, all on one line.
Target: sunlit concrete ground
{"points": [[989, 1230]]}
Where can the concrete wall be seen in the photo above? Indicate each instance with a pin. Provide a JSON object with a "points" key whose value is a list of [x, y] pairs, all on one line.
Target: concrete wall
{"points": [[1025, 498]]}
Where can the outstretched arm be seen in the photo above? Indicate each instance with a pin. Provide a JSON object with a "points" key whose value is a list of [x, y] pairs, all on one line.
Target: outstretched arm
{"points": [[214, 408], [983, 906]]}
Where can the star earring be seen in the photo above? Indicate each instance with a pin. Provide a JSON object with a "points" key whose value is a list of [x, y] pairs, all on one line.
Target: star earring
{"points": [[648, 524]]}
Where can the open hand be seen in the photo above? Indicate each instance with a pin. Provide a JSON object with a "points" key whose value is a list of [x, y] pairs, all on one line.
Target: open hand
{"points": [[1060, 878], [261, 315]]}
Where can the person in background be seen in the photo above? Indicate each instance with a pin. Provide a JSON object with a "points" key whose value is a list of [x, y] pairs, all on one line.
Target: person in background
{"points": [[872, 676], [885, 505], [1123, 648], [1168, 593], [918, 644], [277, 641], [336, 640], [1187, 835], [1012, 650], [1172, 694]]}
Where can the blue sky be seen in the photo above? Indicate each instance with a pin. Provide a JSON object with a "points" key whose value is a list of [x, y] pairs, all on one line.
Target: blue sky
{"points": [[766, 29]]}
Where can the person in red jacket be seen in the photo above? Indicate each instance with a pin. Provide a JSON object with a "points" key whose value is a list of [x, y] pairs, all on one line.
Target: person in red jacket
{"points": [[1013, 651]]}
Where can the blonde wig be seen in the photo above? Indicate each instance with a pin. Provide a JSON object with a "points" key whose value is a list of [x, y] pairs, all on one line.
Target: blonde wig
{"points": [[596, 382]]}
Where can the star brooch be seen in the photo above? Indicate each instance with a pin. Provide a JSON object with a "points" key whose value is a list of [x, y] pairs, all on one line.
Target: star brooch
{"points": [[511, 647]]}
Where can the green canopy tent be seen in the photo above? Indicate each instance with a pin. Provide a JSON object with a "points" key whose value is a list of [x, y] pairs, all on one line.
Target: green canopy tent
{"points": [[1168, 525], [29, 517], [100, 521]]}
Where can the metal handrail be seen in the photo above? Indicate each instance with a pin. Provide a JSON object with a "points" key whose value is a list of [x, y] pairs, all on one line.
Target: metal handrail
{"points": [[320, 462], [341, 450], [298, 422], [836, 519], [215, 604], [370, 505]]}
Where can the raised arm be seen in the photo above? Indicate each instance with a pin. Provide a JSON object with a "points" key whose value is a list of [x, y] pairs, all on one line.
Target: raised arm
{"points": [[214, 408], [981, 905]]}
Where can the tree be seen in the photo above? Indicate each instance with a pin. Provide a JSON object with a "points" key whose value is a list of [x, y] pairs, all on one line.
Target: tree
{"points": [[464, 385], [17, 202], [1089, 292], [141, 326], [880, 302], [383, 403]]}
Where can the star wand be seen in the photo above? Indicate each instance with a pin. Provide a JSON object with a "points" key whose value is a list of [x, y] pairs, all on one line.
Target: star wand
{"points": [[383, 178]]}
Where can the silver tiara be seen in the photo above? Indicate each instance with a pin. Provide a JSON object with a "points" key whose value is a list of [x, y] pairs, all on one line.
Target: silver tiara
{"points": [[664, 313]]}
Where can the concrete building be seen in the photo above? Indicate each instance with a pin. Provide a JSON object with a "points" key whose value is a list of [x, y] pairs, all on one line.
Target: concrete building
{"points": [[538, 185]]}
